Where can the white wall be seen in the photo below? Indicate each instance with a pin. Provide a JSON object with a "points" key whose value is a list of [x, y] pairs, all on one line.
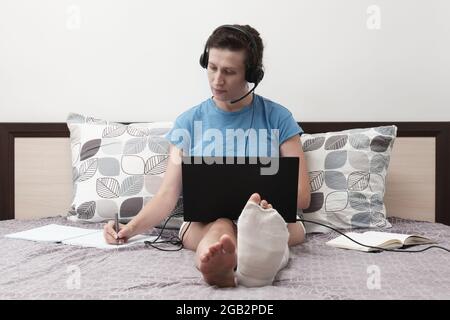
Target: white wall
{"points": [[136, 60]]}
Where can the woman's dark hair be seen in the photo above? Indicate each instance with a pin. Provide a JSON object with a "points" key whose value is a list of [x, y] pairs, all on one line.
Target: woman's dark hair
{"points": [[235, 40]]}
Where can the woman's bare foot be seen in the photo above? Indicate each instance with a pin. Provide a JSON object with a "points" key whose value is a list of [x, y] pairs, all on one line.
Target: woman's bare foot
{"points": [[218, 261]]}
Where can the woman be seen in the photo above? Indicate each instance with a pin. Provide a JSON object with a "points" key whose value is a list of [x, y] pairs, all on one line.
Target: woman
{"points": [[233, 58]]}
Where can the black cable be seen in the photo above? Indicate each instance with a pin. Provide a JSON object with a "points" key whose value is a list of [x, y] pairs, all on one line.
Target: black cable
{"points": [[174, 240], [250, 127], [378, 248]]}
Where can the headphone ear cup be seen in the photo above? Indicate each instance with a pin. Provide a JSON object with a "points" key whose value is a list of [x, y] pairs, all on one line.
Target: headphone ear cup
{"points": [[204, 60], [259, 74], [250, 75], [254, 75]]}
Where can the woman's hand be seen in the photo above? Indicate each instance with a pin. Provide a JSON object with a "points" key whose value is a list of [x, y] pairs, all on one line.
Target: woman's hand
{"points": [[113, 237]]}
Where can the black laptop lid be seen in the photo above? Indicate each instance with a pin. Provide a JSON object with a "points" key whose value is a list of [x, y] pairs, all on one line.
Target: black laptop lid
{"points": [[213, 188]]}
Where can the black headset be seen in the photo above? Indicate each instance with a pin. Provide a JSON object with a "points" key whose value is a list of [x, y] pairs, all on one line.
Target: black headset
{"points": [[253, 73]]}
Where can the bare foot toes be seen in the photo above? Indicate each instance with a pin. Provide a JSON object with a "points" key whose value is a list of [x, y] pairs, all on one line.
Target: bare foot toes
{"points": [[212, 250], [256, 198], [264, 204], [228, 245], [218, 261]]}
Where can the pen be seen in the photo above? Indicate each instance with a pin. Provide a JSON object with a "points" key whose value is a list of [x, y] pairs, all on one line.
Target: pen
{"points": [[117, 226]]}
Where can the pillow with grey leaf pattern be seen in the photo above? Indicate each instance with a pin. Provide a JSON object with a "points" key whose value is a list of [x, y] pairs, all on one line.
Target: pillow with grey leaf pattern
{"points": [[347, 172], [117, 168]]}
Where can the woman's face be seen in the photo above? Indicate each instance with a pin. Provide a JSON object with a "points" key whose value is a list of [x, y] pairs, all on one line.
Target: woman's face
{"points": [[226, 74]]}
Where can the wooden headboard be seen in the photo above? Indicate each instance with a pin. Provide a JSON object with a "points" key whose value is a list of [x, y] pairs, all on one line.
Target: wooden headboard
{"points": [[36, 173]]}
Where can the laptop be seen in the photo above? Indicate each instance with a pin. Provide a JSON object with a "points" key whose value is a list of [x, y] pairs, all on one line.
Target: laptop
{"points": [[219, 187]]}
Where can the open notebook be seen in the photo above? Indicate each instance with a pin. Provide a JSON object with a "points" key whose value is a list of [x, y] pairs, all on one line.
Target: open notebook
{"points": [[74, 236], [385, 240]]}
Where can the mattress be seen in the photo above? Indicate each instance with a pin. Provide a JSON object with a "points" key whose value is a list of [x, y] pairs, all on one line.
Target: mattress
{"points": [[40, 270]]}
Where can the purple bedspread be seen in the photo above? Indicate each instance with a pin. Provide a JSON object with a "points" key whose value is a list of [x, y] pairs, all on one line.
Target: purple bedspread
{"points": [[39, 270]]}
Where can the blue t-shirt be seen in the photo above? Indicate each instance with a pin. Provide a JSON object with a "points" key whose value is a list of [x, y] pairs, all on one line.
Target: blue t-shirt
{"points": [[258, 129]]}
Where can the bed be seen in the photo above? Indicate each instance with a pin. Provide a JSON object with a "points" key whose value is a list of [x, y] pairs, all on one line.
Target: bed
{"points": [[35, 191]]}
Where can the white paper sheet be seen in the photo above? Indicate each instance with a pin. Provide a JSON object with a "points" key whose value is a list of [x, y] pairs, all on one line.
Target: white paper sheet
{"points": [[74, 236]]}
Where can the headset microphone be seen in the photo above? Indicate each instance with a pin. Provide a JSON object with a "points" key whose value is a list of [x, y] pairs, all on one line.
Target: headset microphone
{"points": [[253, 89]]}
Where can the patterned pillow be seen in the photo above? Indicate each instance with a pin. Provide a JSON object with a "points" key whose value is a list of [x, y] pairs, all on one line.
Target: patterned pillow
{"points": [[347, 172], [116, 168]]}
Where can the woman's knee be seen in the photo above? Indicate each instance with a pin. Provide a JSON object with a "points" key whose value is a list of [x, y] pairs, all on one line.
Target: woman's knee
{"points": [[223, 224]]}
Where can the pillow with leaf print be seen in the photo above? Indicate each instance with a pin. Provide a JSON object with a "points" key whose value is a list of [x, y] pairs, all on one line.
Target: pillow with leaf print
{"points": [[116, 168], [347, 172]]}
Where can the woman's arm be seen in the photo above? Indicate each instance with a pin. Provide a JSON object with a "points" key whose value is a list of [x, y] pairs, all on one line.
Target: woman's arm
{"points": [[293, 148]]}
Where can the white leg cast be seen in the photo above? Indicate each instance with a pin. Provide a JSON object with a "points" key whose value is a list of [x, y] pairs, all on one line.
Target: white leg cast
{"points": [[262, 245]]}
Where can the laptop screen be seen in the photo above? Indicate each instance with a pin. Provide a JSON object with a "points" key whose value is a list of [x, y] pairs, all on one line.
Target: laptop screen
{"points": [[219, 187]]}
